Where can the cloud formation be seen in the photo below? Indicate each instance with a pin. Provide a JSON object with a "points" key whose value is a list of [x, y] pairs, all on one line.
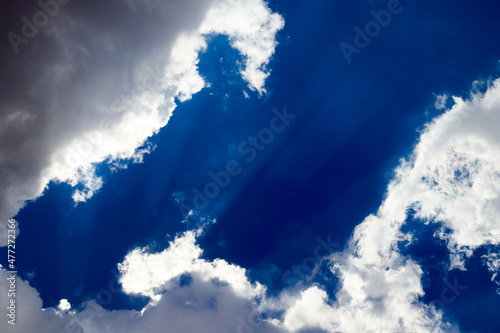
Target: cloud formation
{"points": [[440, 102], [102, 79], [105, 86], [452, 178], [188, 294]]}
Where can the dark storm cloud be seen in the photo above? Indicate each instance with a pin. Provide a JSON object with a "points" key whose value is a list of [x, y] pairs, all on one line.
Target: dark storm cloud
{"points": [[83, 81]]}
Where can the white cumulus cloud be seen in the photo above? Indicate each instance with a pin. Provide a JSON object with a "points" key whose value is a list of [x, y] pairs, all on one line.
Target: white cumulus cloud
{"points": [[451, 178]]}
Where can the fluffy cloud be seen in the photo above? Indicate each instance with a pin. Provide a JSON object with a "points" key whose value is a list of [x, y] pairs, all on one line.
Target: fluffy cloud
{"points": [[96, 89], [105, 86], [188, 294], [28, 307], [149, 274], [452, 178], [378, 292]]}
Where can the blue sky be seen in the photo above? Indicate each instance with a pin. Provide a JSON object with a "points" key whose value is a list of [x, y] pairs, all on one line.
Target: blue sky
{"points": [[350, 195]]}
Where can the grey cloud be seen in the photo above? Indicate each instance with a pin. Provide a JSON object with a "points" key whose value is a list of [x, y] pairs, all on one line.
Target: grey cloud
{"points": [[95, 83]]}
